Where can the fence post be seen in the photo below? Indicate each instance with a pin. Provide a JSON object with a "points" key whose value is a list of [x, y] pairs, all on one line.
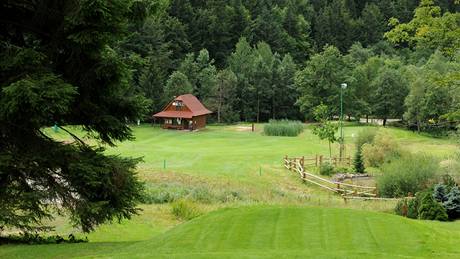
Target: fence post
{"points": [[316, 160], [302, 161], [295, 163], [320, 160]]}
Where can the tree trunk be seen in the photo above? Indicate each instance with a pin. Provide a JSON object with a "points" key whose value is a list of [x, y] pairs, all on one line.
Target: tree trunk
{"points": [[218, 113], [258, 108], [384, 122], [330, 150], [219, 106], [367, 119], [418, 126]]}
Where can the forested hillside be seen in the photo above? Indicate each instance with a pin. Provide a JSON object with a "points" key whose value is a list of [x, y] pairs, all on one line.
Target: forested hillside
{"points": [[260, 59]]}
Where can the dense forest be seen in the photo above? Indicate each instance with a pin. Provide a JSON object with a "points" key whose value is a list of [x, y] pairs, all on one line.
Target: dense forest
{"points": [[261, 59]]}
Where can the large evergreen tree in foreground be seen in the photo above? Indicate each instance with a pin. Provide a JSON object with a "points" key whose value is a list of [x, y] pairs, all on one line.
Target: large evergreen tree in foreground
{"points": [[57, 66]]}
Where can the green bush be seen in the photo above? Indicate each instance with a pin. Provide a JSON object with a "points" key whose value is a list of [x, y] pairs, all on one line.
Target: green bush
{"points": [[430, 209], [286, 128], [383, 149], [185, 209], [326, 169], [412, 208], [409, 174], [365, 136]]}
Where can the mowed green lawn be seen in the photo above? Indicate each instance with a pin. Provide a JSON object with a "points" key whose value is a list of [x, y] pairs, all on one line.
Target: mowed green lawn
{"points": [[225, 151], [226, 154], [276, 231]]}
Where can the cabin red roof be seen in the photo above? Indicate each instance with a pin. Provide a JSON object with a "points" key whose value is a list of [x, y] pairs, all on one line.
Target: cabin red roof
{"points": [[195, 108]]}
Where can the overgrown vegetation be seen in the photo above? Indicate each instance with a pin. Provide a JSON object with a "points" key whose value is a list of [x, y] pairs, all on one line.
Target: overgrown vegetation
{"points": [[407, 175], [285, 128], [171, 192], [383, 149]]}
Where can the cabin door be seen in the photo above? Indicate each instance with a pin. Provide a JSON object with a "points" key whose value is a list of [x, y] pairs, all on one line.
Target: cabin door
{"points": [[185, 123]]}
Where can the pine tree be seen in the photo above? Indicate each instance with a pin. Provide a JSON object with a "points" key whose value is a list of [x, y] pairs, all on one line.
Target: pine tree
{"points": [[440, 192], [58, 65], [358, 162]]}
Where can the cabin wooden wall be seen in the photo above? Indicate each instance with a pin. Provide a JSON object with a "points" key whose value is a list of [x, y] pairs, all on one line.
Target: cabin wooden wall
{"points": [[199, 122]]}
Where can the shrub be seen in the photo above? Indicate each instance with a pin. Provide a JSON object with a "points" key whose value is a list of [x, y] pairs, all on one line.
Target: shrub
{"points": [[408, 174], [326, 169], [286, 128], [383, 149], [412, 208], [365, 136], [35, 239], [452, 204], [185, 209], [430, 209]]}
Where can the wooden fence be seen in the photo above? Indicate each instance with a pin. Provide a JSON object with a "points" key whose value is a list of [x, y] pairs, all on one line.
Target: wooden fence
{"points": [[318, 160], [297, 164]]}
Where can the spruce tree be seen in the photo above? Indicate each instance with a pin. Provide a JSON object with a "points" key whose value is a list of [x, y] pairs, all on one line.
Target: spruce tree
{"points": [[358, 162], [57, 66], [452, 204]]}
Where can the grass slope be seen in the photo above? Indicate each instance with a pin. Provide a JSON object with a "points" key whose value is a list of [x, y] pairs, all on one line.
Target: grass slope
{"points": [[299, 231], [274, 231]]}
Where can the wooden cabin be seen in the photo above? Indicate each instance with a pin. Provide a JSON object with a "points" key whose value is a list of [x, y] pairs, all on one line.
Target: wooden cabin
{"points": [[185, 112]]}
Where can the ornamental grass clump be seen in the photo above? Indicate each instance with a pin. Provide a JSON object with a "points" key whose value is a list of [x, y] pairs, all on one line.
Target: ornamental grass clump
{"points": [[285, 128]]}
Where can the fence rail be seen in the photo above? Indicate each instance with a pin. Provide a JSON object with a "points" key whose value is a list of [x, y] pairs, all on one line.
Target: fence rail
{"points": [[318, 160], [297, 164]]}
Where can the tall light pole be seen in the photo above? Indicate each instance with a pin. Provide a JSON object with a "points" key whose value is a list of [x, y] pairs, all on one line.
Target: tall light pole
{"points": [[342, 87]]}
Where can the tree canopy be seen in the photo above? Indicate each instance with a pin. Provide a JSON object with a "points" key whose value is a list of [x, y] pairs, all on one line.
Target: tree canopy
{"points": [[59, 66]]}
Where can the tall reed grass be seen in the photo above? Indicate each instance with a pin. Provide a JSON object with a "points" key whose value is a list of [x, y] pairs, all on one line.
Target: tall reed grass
{"points": [[286, 128]]}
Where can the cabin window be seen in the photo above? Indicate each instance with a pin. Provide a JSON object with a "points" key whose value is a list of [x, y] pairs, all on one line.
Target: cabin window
{"points": [[168, 121], [178, 105]]}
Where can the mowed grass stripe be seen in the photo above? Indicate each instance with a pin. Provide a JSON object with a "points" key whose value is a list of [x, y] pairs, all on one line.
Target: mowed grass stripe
{"points": [[299, 231]]}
